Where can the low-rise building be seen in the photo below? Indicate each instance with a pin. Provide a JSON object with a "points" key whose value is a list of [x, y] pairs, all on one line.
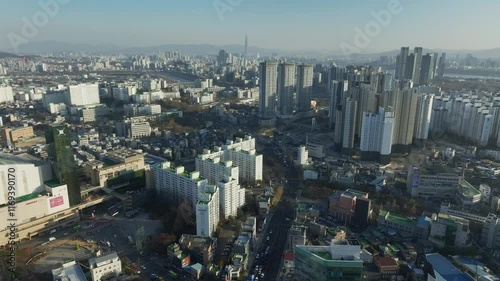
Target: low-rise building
{"points": [[387, 266], [297, 235], [340, 260], [436, 182], [350, 206], [70, 271], [490, 235], [201, 249], [12, 135], [449, 231], [467, 195], [403, 225], [104, 266], [178, 257]]}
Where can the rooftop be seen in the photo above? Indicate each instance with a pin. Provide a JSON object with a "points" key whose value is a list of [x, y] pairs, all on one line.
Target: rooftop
{"points": [[444, 269], [467, 190], [399, 219], [69, 271], [102, 260]]}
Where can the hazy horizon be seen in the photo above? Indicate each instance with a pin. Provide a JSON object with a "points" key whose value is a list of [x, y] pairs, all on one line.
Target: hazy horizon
{"points": [[294, 25]]}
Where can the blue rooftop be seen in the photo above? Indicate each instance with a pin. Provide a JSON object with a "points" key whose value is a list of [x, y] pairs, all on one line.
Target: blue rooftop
{"points": [[424, 220], [478, 268], [444, 270]]}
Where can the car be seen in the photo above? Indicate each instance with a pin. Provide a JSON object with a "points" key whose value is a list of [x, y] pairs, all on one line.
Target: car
{"points": [[143, 267]]}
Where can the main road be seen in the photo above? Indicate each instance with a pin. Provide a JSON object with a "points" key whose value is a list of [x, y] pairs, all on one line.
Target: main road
{"points": [[280, 223]]}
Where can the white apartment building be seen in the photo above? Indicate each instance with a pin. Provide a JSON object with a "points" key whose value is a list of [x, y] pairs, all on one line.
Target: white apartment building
{"points": [[207, 211], [242, 154], [423, 116], [83, 94], [6, 94], [140, 110], [176, 185], [232, 196], [215, 170], [376, 136], [302, 155], [105, 266]]}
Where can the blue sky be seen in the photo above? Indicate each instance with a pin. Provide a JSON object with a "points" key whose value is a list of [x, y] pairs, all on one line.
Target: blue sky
{"points": [[282, 24]]}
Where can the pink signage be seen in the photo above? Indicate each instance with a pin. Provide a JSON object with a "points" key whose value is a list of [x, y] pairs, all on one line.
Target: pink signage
{"points": [[57, 201]]}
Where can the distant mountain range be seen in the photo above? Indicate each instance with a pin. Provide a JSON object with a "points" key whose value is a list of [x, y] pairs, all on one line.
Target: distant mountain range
{"points": [[7, 55], [203, 49], [192, 49]]}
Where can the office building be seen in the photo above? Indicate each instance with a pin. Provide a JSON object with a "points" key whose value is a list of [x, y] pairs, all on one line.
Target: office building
{"points": [[423, 116], [118, 163], [6, 94], [105, 266], [339, 261], [286, 89], [376, 136], [207, 211], [297, 236], [304, 87], [83, 94], [434, 183], [490, 235], [12, 135], [449, 231], [350, 206], [268, 76], [58, 138]]}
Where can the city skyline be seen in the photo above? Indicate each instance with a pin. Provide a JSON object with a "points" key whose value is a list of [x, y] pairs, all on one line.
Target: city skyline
{"points": [[223, 22]]}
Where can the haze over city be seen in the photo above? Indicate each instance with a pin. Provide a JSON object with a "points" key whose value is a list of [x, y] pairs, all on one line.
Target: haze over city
{"points": [[285, 25]]}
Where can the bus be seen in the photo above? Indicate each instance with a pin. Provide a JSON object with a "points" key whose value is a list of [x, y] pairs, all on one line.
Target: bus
{"points": [[172, 274]]}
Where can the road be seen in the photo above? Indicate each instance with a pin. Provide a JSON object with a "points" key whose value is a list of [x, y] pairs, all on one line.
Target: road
{"points": [[279, 225]]}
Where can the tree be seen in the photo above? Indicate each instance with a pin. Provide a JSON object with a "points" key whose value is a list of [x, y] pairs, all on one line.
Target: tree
{"points": [[139, 238]]}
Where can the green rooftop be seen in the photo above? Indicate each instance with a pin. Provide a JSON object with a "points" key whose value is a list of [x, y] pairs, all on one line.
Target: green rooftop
{"points": [[52, 183], [27, 197], [467, 189], [323, 255], [399, 219]]}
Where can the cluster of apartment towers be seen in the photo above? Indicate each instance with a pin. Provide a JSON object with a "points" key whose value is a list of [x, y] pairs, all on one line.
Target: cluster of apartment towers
{"points": [[213, 190], [368, 107]]}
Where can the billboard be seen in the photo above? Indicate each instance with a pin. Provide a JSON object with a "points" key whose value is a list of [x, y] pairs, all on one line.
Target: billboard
{"points": [[56, 201]]}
